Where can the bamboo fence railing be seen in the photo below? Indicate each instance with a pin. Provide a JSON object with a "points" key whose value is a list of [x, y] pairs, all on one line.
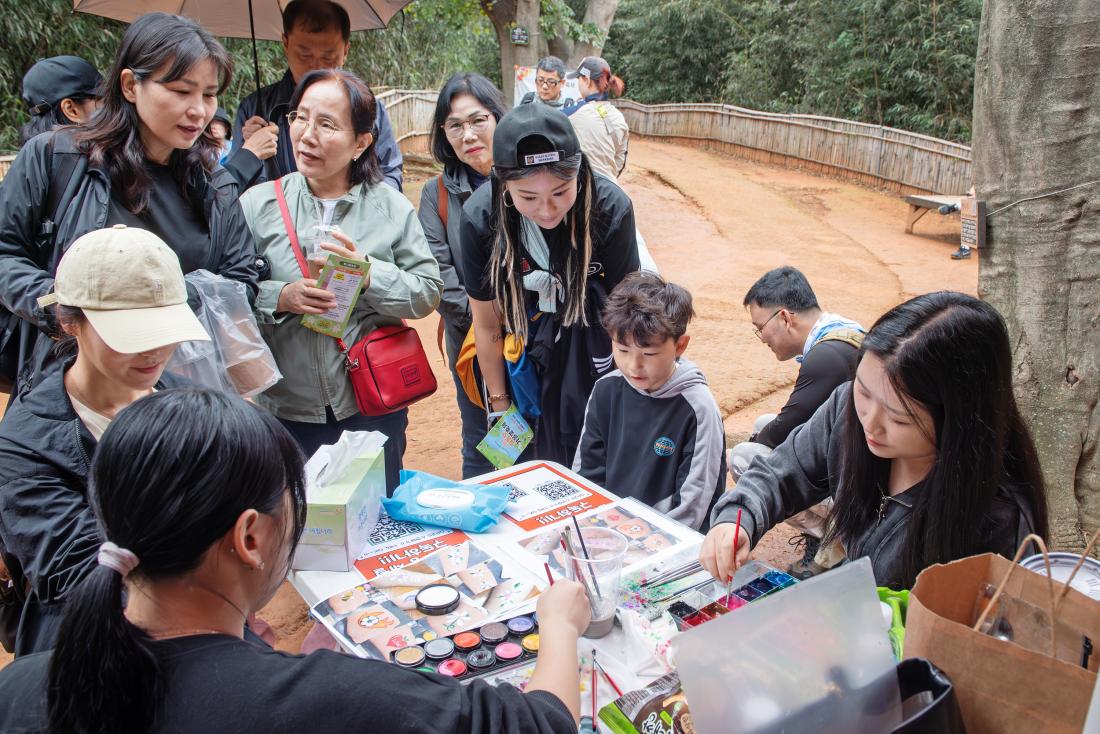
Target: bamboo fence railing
{"points": [[879, 156]]}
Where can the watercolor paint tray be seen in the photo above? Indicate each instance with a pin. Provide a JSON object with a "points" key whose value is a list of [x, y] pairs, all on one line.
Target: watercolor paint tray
{"points": [[487, 650], [701, 605]]}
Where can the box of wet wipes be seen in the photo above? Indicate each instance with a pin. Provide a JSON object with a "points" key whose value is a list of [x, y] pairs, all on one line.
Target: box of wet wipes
{"points": [[344, 484]]}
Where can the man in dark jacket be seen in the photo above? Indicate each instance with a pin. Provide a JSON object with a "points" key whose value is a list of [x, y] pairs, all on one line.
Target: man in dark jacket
{"points": [[786, 316], [316, 35]]}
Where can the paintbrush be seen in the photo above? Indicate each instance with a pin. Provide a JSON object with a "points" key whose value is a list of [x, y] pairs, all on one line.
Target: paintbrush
{"points": [[736, 537], [594, 727], [595, 663], [584, 549], [549, 576], [576, 566], [683, 591], [673, 574]]}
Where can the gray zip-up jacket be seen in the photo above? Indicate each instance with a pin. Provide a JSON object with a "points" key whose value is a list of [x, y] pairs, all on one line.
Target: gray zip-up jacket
{"points": [[665, 448], [805, 469]]}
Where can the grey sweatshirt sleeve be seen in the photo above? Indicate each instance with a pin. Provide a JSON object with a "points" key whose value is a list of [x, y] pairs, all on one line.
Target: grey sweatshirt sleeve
{"points": [[703, 472], [793, 477]]}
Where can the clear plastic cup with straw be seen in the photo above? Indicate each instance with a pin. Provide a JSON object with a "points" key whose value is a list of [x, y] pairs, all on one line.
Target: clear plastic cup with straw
{"points": [[596, 561]]}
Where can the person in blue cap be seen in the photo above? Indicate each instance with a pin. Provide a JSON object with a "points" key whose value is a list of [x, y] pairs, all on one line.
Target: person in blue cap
{"points": [[61, 90]]}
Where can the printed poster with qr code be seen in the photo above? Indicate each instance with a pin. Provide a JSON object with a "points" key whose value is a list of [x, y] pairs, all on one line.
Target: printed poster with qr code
{"points": [[395, 544], [542, 495]]}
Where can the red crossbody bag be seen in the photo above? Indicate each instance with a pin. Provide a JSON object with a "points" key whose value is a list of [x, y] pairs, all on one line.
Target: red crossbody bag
{"points": [[388, 368]]}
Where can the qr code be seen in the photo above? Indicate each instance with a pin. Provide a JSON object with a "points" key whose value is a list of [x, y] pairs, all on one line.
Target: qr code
{"points": [[558, 490], [514, 492], [388, 529]]}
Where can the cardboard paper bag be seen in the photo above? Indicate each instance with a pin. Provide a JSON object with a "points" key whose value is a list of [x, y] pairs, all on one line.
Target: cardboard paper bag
{"points": [[1002, 687]]}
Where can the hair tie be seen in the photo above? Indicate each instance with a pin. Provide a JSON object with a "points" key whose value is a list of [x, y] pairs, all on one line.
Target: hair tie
{"points": [[117, 559]]}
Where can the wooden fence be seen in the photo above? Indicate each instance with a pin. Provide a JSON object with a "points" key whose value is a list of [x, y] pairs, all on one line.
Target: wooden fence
{"points": [[879, 156]]}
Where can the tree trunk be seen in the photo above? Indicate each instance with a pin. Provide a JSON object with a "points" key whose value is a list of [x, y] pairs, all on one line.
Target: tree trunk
{"points": [[560, 47], [504, 14], [600, 13], [1037, 131]]}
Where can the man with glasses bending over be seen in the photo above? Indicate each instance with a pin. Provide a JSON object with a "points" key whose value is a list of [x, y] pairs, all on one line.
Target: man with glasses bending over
{"points": [[316, 35], [549, 82], [786, 316]]}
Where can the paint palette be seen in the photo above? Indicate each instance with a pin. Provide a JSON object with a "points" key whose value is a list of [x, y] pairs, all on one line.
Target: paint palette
{"points": [[493, 647], [702, 605]]}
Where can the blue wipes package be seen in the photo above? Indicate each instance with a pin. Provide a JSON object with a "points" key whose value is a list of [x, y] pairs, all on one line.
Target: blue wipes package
{"points": [[432, 500]]}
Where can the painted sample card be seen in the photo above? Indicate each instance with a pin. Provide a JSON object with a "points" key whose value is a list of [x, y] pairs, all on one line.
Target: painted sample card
{"points": [[542, 495], [344, 279], [507, 439], [394, 544], [375, 618]]}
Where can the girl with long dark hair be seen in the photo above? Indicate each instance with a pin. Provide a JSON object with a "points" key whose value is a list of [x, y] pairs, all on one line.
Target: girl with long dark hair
{"points": [[142, 160], [541, 248], [925, 452], [201, 500], [466, 115]]}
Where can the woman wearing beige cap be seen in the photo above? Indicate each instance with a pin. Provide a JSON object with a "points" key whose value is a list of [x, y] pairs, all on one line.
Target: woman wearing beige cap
{"points": [[601, 128], [120, 299]]}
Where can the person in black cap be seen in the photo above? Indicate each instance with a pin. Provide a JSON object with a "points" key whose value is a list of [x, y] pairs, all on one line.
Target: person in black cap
{"points": [[541, 248], [62, 90], [262, 144]]}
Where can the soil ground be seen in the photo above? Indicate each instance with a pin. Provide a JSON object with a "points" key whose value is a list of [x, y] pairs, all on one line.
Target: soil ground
{"points": [[714, 224]]}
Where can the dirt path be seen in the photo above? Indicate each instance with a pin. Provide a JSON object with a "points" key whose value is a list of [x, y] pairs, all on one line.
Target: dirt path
{"points": [[715, 224]]}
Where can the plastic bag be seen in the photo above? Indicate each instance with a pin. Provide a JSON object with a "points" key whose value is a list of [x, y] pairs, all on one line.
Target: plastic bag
{"points": [[237, 359], [432, 500]]}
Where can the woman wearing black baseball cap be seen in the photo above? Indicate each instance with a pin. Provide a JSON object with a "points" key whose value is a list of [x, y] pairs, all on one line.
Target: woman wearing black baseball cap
{"points": [[61, 90], [541, 249]]}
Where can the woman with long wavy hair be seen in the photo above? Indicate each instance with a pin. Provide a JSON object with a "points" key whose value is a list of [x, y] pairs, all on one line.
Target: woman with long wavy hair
{"points": [[542, 246], [925, 452], [142, 160]]}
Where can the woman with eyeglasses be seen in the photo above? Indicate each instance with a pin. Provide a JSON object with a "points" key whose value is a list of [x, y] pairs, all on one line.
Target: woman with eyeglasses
{"points": [[338, 204], [466, 115], [549, 83]]}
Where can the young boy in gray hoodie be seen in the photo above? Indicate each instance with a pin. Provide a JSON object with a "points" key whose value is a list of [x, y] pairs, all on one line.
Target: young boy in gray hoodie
{"points": [[652, 429]]}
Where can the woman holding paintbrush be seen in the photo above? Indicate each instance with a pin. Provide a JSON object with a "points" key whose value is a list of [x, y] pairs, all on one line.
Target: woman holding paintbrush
{"points": [[200, 499], [925, 452]]}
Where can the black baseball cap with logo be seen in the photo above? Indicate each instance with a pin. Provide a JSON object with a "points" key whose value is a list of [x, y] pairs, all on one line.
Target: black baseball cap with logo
{"points": [[533, 135], [60, 77]]}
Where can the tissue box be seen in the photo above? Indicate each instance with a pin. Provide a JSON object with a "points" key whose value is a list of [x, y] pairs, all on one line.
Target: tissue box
{"points": [[344, 485]]}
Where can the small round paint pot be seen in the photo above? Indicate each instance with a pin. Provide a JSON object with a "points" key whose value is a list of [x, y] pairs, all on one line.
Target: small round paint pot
{"points": [[530, 643], [494, 632], [481, 659], [520, 625], [453, 667], [440, 649], [466, 641], [508, 651], [437, 599], [409, 657]]}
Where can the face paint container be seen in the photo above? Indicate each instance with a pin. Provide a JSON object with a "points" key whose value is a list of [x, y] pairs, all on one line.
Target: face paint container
{"points": [[437, 599], [453, 667], [530, 643], [520, 625], [466, 641], [409, 657], [480, 659], [508, 651], [440, 649], [494, 632]]}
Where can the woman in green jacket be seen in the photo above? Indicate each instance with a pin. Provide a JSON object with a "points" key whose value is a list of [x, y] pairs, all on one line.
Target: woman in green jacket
{"points": [[338, 182]]}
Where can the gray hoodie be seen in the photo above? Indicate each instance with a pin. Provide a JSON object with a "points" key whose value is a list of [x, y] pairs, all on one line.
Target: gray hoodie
{"points": [[665, 448]]}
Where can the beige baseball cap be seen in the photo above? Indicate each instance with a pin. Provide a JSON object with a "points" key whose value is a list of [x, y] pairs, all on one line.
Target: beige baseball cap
{"points": [[130, 287]]}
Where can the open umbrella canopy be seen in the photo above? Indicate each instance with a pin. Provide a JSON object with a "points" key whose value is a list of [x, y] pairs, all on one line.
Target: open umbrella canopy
{"points": [[231, 18]]}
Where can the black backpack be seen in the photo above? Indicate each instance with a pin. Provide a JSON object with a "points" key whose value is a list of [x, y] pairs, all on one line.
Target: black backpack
{"points": [[66, 171]]}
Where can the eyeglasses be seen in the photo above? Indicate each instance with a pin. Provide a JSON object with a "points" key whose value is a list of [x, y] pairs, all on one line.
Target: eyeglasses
{"points": [[325, 128], [759, 329], [543, 81], [477, 124]]}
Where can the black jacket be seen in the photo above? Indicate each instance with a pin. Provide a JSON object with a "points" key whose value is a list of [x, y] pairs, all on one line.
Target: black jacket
{"points": [[806, 468], [28, 260], [272, 103], [48, 533]]}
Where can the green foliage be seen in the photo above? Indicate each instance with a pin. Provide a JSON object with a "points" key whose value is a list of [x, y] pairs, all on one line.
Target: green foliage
{"points": [[902, 63], [421, 48]]}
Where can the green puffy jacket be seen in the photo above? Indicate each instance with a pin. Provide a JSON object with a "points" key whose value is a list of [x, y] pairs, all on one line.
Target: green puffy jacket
{"points": [[404, 283]]}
